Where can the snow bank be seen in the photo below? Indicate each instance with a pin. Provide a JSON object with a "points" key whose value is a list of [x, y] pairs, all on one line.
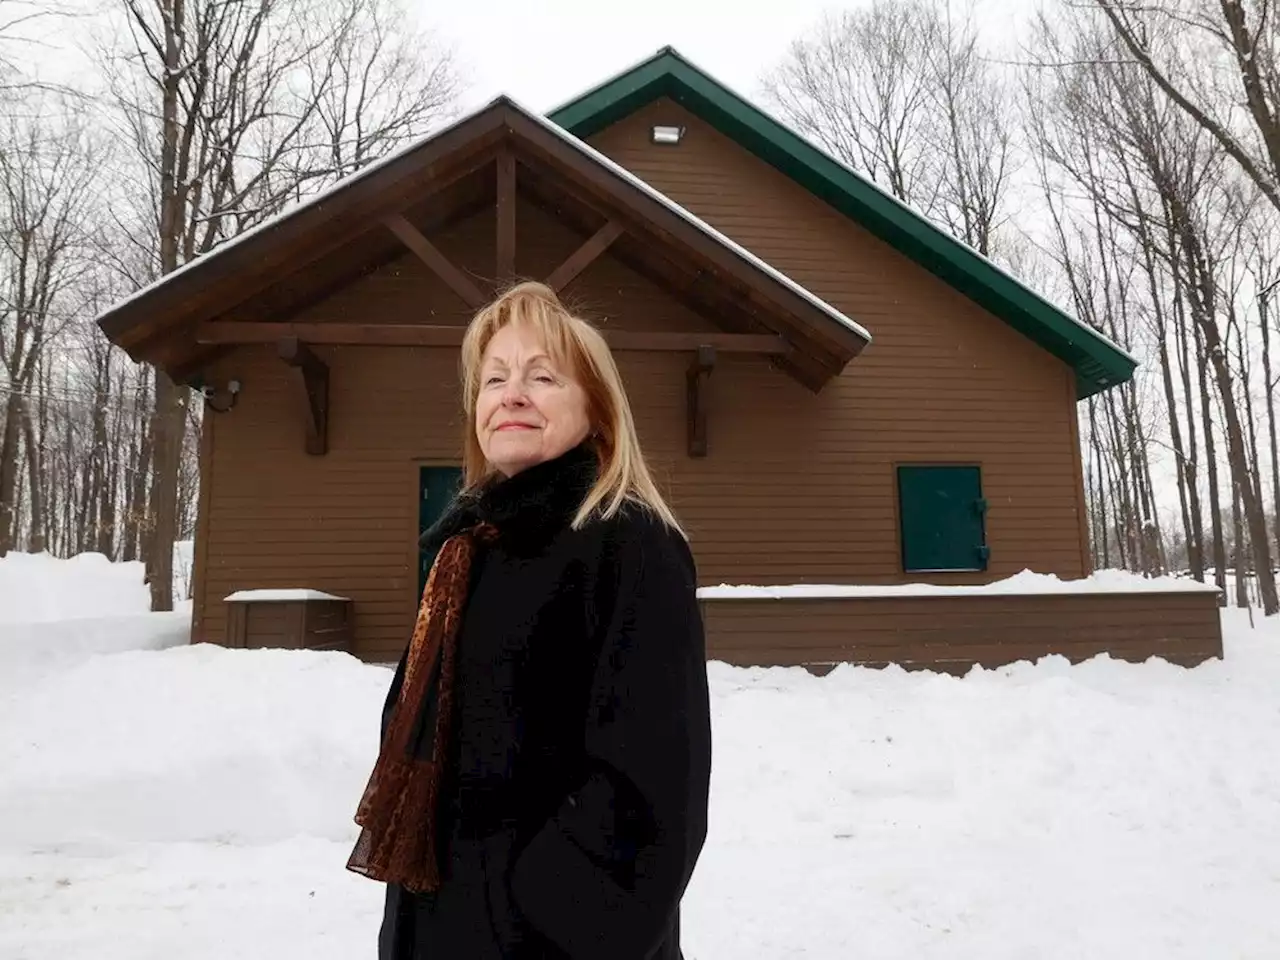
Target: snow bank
{"points": [[1025, 583], [39, 588], [197, 743], [1107, 810], [197, 802], [55, 613], [28, 650]]}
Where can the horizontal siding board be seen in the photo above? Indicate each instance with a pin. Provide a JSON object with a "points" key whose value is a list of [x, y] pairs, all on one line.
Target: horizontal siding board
{"points": [[988, 630]]}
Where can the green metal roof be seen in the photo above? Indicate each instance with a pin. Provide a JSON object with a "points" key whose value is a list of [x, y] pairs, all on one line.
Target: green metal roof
{"points": [[1097, 361]]}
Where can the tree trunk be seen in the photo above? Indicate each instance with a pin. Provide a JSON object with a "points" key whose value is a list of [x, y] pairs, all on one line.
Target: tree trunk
{"points": [[1214, 352], [1102, 537], [9, 430], [1237, 549], [167, 426], [112, 445], [1211, 458], [35, 482], [100, 458], [1195, 549], [138, 468], [1269, 391]]}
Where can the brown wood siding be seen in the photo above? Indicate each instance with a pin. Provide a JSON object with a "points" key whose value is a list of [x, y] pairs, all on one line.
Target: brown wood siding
{"points": [[797, 487], [942, 380], [957, 632]]}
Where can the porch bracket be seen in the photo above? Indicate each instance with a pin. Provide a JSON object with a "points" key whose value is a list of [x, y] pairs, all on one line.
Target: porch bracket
{"points": [[312, 377], [580, 259], [698, 400], [440, 265]]}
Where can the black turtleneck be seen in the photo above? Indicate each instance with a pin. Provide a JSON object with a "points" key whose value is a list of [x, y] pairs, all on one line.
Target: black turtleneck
{"points": [[528, 508]]}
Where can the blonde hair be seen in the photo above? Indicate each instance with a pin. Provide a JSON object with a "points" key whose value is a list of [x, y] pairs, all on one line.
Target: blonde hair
{"points": [[578, 348]]}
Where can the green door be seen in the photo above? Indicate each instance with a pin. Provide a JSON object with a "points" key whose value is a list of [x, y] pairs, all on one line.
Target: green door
{"points": [[943, 518], [437, 487]]}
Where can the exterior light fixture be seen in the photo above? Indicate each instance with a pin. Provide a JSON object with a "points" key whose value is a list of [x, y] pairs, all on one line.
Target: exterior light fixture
{"points": [[668, 136], [212, 394]]}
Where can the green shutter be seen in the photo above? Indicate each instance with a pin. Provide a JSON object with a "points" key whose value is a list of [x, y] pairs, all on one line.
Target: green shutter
{"points": [[943, 518], [437, 487]]}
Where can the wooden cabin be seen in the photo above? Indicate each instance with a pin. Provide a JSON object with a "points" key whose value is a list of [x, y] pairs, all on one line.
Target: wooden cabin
{"points": [[840, 399]]}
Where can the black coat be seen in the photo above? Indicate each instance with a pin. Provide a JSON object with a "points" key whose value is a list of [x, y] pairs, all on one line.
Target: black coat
{"points": [[577, 804]]}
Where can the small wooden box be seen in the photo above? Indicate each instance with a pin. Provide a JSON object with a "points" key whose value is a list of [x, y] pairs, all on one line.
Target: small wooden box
{"points": [[288, 619]]}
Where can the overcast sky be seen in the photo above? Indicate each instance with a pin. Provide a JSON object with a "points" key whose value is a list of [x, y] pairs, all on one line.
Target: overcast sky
{"points": [[543, 52]]}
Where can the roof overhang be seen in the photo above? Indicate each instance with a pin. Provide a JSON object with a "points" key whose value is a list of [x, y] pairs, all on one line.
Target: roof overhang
{"points": [[270, 272]]}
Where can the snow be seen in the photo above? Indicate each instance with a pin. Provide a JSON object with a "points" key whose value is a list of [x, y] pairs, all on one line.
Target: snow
{"points": [[39, 588], [1025, 583], [582, 147], [267, 596], [56, 612], [196, 801]]}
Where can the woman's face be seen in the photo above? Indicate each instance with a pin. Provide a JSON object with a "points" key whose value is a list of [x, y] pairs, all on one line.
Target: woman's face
{"points": [[529, 410]]}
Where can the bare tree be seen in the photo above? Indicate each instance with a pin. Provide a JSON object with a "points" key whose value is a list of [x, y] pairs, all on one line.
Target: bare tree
{"points": [[974, 136], [234, 110], [901, 92], [855, 86], [1148, 168], [45, 176], [1263, 238], [1206, 56]]}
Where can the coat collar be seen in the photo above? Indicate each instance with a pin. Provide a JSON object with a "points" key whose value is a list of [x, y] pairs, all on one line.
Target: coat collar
{"points": [[528, 508]]}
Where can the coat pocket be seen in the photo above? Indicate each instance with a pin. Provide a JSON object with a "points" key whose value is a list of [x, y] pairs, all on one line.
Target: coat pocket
{"points": [[509, 928]]}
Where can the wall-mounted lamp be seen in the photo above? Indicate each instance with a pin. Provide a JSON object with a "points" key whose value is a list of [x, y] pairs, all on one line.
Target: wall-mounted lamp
{"points": [[667, 136], [211, 395]]}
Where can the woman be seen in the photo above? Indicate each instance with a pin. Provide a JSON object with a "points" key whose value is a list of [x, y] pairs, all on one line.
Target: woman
{"points": [[542, 786]]}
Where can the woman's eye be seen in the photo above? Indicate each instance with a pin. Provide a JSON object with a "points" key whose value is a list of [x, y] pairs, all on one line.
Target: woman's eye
{"points": [[492, 380], [545, 378]]}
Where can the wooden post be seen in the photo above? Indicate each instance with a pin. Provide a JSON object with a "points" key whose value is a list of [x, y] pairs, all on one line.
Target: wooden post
{"points": [[699, 374], [505, 243]]}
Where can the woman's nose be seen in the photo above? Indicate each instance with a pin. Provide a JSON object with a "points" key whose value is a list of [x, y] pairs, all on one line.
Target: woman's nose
{"points": [[513, 394]]}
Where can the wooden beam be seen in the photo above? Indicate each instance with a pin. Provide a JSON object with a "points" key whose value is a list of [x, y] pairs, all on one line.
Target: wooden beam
{"points": [[333, 334], [697, 377], [681, 342], [505, 243], [440, 265], [225, 332], [312, 377], [578, 261]]}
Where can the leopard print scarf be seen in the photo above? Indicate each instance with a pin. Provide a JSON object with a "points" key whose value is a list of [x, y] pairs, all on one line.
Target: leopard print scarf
{"points": [[398, 811]]}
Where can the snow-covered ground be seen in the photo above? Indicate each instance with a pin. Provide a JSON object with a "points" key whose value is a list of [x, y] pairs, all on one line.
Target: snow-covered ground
{"points": [[172, 801]]}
